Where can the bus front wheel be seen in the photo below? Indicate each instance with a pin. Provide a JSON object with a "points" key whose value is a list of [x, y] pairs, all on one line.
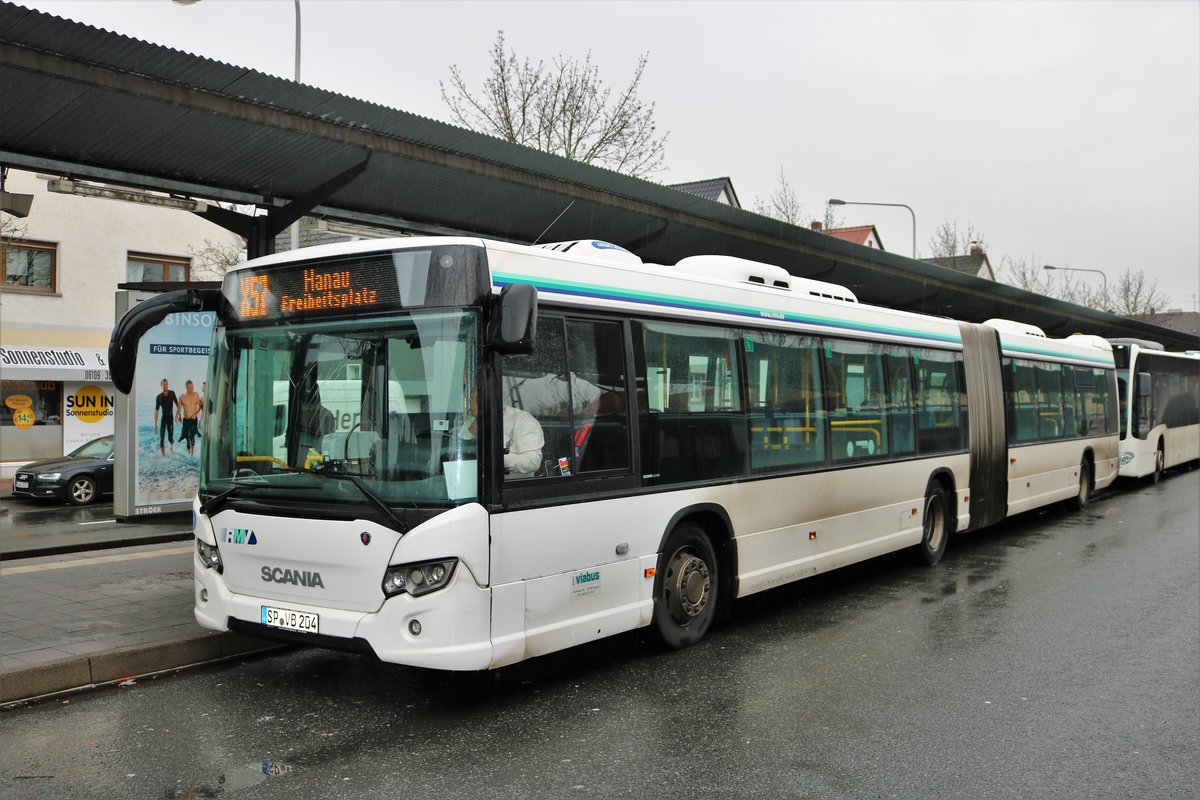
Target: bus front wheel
{"points": [[685, 588], [935, 525], [1160, 463]]}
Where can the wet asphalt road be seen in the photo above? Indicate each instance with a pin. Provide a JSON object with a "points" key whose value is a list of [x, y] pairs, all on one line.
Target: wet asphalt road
{"points": [[1055, 656]]}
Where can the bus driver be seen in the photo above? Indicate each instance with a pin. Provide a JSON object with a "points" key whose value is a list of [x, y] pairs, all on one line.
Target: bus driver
{"points": [[523, 439]]}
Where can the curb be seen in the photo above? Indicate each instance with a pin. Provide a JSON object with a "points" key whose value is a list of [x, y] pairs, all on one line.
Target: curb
{"points": [[85, 672], [89, 547]]}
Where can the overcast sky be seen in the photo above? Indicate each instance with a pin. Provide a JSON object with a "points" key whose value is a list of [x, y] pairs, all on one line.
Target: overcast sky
{"points": [[1064, 132]]}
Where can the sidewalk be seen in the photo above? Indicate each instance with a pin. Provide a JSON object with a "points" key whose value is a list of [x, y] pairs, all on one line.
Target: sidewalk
{"points": [[87, 618]]}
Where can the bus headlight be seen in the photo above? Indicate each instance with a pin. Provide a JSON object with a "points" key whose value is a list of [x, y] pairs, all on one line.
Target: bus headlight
{"points": [[1126, 457], [418, 579], [210, 556]]}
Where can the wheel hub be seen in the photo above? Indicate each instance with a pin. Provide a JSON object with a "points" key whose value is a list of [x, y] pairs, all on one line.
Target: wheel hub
{"points": [[691, 584]]}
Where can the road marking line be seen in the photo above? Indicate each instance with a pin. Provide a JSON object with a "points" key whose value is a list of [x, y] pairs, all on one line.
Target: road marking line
{"points": [[96, 522], [88, 562]]}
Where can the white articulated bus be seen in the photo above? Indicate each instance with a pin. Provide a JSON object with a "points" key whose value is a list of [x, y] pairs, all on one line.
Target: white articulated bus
{"points": [[587, 444], [1160, 407]]}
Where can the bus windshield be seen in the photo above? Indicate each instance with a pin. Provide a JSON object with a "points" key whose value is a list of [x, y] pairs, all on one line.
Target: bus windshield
{"points": [[324, 411]]}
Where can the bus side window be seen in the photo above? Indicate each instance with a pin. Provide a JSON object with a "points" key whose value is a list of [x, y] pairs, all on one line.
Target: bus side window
{"points": [[693, 425], [1022, 402], [1050, 406], [1091, 411], [786, 419], [857, 422], [599, 407], [1069, 401], [900, 401], [940, 418], [573, 384], [538, 385]]}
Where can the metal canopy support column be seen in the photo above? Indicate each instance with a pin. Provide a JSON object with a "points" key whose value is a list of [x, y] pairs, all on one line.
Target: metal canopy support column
{"points": [[260, 231]]}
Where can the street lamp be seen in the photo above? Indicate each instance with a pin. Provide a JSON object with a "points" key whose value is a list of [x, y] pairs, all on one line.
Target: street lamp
{"points": [[1082, 269], [295, 225], [834, 202]]}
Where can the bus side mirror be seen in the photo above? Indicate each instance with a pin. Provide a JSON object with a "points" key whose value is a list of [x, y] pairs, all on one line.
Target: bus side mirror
{"points": [[1143, 384], [512, 328], [123, 346]]}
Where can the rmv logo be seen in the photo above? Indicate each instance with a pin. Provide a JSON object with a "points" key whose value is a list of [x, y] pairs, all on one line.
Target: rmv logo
{"points": [[239, 536]]}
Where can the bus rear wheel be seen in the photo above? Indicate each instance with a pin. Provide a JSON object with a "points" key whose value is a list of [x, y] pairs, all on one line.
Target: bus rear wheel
{"points": [[935, 525], [685, 588], [1084, 495]]}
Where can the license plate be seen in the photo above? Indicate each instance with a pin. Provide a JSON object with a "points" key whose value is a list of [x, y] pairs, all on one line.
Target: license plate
{"points": [[290, 620], [21, 483]]}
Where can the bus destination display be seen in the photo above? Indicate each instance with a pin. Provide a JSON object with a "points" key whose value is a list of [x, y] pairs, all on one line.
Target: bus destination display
{"points": [[301, 291]]}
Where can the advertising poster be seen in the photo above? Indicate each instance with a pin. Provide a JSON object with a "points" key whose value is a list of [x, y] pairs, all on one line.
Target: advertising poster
{"points": [[168, 396], [88, 413]]}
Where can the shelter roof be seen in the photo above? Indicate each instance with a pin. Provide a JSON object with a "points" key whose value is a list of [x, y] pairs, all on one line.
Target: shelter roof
{"points": [[182, 123]]}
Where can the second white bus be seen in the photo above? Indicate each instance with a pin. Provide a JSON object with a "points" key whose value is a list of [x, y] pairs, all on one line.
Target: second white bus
{"points": [[1160, 407]]}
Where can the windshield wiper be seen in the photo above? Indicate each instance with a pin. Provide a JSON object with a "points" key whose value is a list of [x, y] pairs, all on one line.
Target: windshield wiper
{"points": [[374, 499], [216, 502]]}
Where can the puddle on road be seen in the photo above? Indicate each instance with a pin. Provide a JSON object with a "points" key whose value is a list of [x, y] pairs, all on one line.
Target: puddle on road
{"points": [[242, 776]]}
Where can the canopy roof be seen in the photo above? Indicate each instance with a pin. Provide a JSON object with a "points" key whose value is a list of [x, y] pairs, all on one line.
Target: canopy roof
{"points": [[87, 103]]}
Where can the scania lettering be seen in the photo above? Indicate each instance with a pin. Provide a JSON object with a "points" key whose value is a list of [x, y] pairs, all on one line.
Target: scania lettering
{"points": [[459, 454], [294, 577]]}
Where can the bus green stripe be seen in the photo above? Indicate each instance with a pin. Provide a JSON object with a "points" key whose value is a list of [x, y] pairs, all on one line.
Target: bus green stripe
{"points": [[669, 301]]}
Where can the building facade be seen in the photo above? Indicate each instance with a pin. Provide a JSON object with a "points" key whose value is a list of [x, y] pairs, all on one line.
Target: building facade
{"points": [[63, 263]]}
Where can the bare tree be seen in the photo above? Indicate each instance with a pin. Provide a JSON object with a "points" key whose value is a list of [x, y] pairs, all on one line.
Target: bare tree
{"points": [[782, 203], [1026, 272], [949, 241], [214, 259], [561, 108], [1136, 296], [1132, 295], [11, 229], [829, 220]]}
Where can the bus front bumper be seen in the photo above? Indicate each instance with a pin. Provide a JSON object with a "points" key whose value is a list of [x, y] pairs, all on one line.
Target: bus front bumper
{"points": [[447, 629]]}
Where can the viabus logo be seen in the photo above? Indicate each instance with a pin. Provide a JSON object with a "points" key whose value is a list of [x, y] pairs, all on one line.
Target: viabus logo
{"points": [[586, 577], [238, 536]]}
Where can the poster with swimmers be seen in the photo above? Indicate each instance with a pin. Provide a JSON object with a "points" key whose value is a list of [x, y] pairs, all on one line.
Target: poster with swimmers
{"points": [[163, 415]]}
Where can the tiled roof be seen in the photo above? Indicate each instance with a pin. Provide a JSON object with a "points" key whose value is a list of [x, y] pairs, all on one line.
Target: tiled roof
{"points": [[710, 190], [1187, 321], [857, 234]]}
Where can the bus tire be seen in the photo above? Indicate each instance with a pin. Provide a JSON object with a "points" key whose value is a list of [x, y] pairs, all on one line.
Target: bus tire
{"points": [[935, 525], [1084, 495], [1160, 460], [685, 587]]}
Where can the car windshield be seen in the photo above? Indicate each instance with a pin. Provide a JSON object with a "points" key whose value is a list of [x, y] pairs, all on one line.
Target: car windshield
{"points": [[382, 402], [96, 448]]}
